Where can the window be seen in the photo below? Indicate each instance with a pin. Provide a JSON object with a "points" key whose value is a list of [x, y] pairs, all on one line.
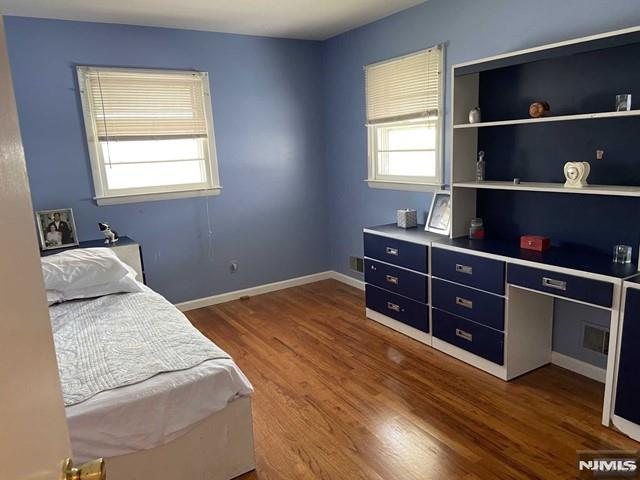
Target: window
{"points": [[404, 120], [150, 133]]}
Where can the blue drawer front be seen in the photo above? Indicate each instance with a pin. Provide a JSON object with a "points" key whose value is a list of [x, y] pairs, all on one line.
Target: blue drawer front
{"points": [[481, 307], [397, 280], [399, 308], [472, 270], [628, 389], [404, 254], [470, 336], [578, 288]]}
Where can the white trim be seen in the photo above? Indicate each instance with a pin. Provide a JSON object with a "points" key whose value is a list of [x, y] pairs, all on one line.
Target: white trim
{"points": [[627, 427], [612, 190], [152, 197], [269, 287], [579, 367], [104, 196], [408, 186], [346, 279], [400, 327], [557, 118], [539, 48], [405, 183]]}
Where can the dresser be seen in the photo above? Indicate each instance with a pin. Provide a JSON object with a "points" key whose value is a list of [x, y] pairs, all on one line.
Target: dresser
{"points": [[127, 250], [489, 303], [396, 272]]}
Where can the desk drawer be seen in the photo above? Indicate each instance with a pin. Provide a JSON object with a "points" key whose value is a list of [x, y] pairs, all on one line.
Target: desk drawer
{"points": [[563, 285], [397, 280], [470, 336], [481, 307], [483, 273], [399, 308], [404, 254]]}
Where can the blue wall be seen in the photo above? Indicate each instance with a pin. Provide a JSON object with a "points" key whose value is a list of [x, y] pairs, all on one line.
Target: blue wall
{"points": [[271, 215], [289, 118], [471, 29]]}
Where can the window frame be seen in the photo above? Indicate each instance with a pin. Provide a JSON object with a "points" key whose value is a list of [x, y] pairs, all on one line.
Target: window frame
{"points": [[106, 196], [412, 183]]}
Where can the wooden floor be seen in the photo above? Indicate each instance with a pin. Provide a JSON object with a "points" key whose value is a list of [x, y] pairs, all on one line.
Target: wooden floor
{"points": [[342, 397]]}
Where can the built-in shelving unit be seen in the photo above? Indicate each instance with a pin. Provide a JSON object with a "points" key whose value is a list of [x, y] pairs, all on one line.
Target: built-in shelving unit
{"points": [[616, 190], [580, 80], [557, 118]]}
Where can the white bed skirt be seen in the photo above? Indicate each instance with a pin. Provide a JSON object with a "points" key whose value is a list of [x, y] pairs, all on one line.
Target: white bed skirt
{"points": [[220, 447]]}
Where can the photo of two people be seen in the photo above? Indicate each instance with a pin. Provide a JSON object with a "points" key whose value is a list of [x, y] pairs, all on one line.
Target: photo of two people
{"points": [[57, 228]]}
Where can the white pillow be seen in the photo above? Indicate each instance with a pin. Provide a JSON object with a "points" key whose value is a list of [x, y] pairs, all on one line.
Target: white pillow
{"points": [[82, 267], [127, 284]]}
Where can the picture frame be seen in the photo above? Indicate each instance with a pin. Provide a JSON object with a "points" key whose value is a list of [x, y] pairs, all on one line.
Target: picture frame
{"points": [[439, 219], [56, 228]]}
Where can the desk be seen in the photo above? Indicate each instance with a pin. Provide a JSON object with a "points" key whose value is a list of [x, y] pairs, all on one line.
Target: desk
{"points": [[488, 303], [125, 248]]}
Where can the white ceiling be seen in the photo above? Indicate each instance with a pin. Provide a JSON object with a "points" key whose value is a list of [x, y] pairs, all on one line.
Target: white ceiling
{"points": [[307, 19]]}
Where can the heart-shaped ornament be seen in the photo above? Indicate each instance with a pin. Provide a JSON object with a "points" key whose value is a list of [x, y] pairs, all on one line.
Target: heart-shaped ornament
{"points": [[576, 174]]}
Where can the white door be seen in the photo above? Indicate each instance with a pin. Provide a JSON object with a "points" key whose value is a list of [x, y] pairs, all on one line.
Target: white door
{"points": [[34, 440]]}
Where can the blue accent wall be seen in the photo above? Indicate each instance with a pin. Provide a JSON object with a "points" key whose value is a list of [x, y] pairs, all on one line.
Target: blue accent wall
{"points": [[271, 215], [289, 119], [471, 30]]}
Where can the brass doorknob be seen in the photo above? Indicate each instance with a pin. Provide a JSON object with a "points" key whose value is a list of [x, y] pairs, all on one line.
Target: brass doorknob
{"points": [[93, 470]]}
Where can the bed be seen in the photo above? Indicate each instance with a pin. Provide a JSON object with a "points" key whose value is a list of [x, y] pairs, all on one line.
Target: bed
{"points": [[148, 392]]}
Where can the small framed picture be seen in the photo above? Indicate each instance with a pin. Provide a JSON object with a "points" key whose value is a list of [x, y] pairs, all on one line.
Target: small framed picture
{"points": [[439, 220], [57, 228], [623, 102]]}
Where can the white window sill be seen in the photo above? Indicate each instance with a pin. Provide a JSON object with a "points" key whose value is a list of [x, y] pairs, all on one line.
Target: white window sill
{"points": [[409, 186], [153, 197]]}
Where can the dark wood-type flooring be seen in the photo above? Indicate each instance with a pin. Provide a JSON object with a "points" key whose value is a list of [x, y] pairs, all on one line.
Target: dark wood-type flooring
{"points": [[338, 396]]}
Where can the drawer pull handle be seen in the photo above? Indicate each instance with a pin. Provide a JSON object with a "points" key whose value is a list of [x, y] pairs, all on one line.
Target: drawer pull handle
{"points": [[392, 279], [463, 302], [464, 269], [551, 283], [392, 251], [464, 335], [393, 306]]}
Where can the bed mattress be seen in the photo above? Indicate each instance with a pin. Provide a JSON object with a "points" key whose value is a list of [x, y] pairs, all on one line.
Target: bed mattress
{"points": [[152, 375], [153, 412]]}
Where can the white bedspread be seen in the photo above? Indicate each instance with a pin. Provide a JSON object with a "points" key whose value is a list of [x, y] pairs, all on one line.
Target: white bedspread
{"points": [[154, 412], [148, 413], [121, 339]]}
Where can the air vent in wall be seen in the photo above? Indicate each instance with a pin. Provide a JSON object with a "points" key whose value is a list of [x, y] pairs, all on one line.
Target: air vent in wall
{"points": [[356, 264], [596, 339]]}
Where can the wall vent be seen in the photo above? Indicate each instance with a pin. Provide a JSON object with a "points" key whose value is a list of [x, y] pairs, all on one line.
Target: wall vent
{"points": [[356, 264], [596, 339]]}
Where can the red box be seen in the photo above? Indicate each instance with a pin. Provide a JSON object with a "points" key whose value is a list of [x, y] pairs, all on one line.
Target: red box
{"points": [[535, 242]]}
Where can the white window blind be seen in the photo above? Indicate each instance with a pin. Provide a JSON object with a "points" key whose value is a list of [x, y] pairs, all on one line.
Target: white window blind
{"points": [[404, 88], [146, 105], [150, 132]]}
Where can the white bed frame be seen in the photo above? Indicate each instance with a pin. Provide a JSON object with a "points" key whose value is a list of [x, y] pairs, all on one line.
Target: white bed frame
{"points": [[220, 447]]}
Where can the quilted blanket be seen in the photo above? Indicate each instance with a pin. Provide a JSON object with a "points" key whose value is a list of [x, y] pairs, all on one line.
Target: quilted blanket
{"points": [[118, 340]]}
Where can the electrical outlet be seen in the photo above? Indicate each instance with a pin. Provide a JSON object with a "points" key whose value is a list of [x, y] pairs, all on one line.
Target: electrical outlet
{"points": [[233, 266]]}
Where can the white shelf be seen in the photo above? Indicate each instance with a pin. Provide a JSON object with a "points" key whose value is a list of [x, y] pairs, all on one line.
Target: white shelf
{"points": [[559, 118], [615, 190]]}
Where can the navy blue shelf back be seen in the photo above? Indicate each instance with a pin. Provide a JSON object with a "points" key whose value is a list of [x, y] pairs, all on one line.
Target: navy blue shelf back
{"points": [[590, 223], [581, 83]]}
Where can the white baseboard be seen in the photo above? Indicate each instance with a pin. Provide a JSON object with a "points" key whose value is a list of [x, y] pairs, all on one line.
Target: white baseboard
{"points": [[268, 287], [578, 366], [353, 282]]}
